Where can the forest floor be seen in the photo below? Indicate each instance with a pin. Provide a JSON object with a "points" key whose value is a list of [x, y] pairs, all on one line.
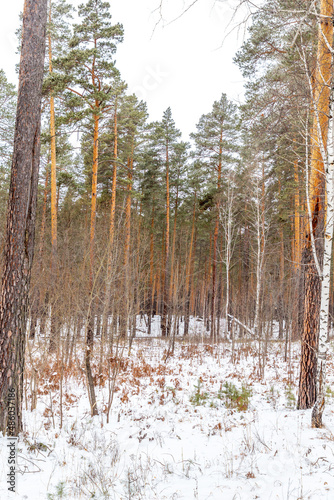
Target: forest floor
{"points": [[202, 425]]}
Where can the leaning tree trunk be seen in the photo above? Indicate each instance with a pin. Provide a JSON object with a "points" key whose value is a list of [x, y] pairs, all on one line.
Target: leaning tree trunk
{"points": [[20, 233]]}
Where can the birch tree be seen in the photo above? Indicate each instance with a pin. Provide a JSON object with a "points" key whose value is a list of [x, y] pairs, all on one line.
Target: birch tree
{"points": [[319, 85], [318, 408], [227, 216]]}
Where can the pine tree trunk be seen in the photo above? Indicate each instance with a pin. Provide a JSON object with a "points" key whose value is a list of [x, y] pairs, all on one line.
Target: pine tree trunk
{"points": [[214, 266], [126, 277], [151, 288], [21, 215], [111, 233], [172, 283], [164, 318], [54, 333], [215, 240], [308, 367], [188, 272], [326, 274], [90, 314]]}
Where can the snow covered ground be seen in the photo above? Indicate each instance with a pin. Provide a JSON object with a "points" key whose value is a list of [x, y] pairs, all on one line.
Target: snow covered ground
{"points": [[178, 429]]}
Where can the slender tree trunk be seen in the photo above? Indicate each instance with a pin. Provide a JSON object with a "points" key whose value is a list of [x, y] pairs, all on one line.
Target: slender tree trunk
{"points": [[137, 301], [188, 271], [281, 279], [90, 314], [297, 306], [297, 219], [192, 271], [43, 221], [215, 240], [151, 288], [281, 289], [245, 273], [164, 318], [207, 279], [126, 277], [54, 333], [214, 267], [259, 259], [111, 232], [21, 216], [260, 232], [228, 241], [172, 284], [36, 310]]}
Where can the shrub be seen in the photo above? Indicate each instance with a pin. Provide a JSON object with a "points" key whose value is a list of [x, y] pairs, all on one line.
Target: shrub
{"points": [[199, 397], [290, 397], [234, 397]]}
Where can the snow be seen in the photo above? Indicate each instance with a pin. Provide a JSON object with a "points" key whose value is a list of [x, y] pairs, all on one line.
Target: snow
{"points": [[160, 444]]}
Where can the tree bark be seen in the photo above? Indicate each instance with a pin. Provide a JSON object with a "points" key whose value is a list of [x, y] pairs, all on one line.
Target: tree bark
{"points": [[20, 233], [188, 272], [111, 233], [165, 305], [90, 314], [54, 333], [125, 306], [325, 278], [321, 97]]}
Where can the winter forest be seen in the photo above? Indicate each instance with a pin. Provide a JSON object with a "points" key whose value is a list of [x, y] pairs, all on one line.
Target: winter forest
{"points": [[167, 301]]}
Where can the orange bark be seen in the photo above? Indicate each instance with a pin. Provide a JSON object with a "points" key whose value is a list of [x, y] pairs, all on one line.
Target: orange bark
{"points": [[94, 195], [322, 83], [320, 112]]}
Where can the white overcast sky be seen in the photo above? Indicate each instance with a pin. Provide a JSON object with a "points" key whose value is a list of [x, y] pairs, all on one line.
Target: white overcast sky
{"points": [[186, 64]]}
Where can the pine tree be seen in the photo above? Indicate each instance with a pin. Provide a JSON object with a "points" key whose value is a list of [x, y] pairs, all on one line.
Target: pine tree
{"points": [[215, 142], [307, 394], [19, 248], [152, 199], [58, 33], [132, 129], [164, 137], [88, 70]]}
